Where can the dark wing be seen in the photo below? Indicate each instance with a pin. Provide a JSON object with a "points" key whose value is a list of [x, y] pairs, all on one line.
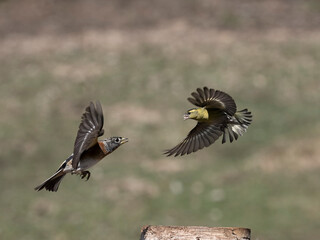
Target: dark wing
{"points": [[90, 129], [202, 135], [210, 98]]}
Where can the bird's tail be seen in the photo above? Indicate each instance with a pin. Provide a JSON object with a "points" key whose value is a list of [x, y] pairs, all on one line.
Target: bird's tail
{"points": [[52, 183], [237, 125]]}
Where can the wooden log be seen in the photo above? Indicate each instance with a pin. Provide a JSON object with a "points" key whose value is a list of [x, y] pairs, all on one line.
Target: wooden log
{"points": [[194, 233]]}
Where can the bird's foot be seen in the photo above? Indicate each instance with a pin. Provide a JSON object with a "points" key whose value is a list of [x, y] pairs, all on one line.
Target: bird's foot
{"points": [[85, 174]]}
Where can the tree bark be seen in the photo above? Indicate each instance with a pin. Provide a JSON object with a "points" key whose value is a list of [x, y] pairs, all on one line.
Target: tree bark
{"points": [[194, 233]]}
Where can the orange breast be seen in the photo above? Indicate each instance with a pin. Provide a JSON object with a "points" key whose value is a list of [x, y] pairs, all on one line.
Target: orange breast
{"points": [[102, 147]]}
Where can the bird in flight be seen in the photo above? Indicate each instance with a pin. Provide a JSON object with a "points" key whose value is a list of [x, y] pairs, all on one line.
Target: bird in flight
{"points": [[216, 114], [88, 150]]}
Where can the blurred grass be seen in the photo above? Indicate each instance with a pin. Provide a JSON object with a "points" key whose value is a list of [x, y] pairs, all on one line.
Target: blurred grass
{"points": [[267, 180]]}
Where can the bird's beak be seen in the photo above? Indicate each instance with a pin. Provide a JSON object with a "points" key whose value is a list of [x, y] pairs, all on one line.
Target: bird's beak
{"points": [[185, 116], [124, 140]]}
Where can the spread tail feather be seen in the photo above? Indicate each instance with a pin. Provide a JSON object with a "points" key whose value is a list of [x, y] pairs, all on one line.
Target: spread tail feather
{"points": [[237, 125], [52, 183]]}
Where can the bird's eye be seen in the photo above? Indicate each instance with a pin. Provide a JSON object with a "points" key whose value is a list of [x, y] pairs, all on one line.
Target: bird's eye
{"points": [[117, 140]]}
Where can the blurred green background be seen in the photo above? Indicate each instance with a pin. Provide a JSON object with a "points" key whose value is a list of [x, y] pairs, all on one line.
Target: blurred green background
{"points": [[142, 59]]}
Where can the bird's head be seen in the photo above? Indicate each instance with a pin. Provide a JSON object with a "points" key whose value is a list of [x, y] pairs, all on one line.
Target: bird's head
{"points": [[113, 143], [191, 114], [196, 114]]}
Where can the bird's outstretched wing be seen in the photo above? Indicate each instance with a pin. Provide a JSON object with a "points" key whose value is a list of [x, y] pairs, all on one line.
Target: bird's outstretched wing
{"points": [[211, 98], [90, 129], [202, 135]]}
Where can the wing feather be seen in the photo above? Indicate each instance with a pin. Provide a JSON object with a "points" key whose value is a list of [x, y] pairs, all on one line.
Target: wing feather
{"points": [[206, 93], [211, 98], [90, 128], [201, 94], [196, 143], [202, 135], [192, 144], [193, 101], [182, 149]]}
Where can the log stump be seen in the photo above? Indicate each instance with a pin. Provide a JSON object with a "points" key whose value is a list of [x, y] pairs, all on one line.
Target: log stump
{"points": [[194, 233]]}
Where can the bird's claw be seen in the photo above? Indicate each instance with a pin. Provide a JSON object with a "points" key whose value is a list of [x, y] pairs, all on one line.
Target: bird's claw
{"points": [[85, 174]]}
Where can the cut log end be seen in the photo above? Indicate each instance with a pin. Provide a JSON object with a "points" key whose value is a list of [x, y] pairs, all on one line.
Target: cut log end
{"points": [[194, 233]]}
